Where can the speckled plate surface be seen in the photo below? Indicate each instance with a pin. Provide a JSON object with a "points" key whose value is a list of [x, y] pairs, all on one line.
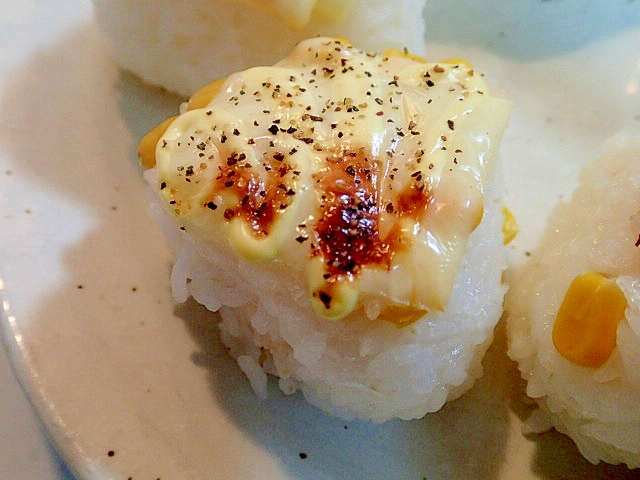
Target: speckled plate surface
{"points": [[131, 385]]}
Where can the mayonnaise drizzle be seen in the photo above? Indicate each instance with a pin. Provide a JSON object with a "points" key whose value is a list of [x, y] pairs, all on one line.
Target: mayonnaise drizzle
{"points": [[367, 172]]}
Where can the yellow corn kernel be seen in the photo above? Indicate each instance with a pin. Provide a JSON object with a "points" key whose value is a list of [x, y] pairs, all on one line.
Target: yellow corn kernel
{"points": [[394, 52], [586, 326], [509, 226], [202, 97], [147, 146], [343, 40], [458, 61], [335, 11], [401, 315]]}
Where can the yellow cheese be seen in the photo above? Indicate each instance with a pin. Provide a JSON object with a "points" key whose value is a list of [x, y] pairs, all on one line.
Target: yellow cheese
{"points": [[372, 166]]}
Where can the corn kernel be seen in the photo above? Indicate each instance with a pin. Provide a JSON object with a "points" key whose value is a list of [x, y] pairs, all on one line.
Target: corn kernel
{"points": [[458, 61], [394, 52], [401, 315], [147, 146], [343, 40], [202, 97], [509, 226], [586, 325]]}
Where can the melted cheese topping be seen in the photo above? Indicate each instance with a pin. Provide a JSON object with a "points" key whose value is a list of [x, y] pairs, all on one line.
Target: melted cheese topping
{"points": [[366, 171]]}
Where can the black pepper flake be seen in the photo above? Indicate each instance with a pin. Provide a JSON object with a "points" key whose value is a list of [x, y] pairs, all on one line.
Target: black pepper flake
{"points": [[273, 129], [111, 453], [302, 455], [236, 132], [279, 156], [301, 239], [350, 170], [637, 244], [430, 83], [211, 205], [163, 185], [325, 298], [451, 124]]}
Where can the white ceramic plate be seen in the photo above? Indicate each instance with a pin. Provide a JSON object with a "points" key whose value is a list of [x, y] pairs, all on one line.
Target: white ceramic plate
{"points": [[130, 385]]}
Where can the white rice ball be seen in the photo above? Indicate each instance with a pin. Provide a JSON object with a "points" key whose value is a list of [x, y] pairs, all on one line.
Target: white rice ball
{"points": [[305, 289], [366, 369], [597, 230], [181, 45]]}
